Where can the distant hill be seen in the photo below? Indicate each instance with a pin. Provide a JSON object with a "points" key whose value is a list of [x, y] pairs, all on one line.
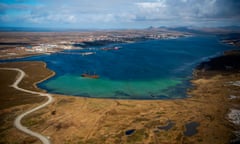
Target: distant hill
{"points": [[195, 30], [187, 29], [208, 30]]}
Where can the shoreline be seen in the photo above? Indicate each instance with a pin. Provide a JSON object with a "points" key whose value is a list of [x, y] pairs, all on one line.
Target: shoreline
{"points": [[106, 98], [53, 73], [18, 119], [87, 118], [194, 105], [190, 88]]}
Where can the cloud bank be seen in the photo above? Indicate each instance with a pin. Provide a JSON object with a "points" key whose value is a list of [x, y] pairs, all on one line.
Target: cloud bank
{"points": [[118, 13]]}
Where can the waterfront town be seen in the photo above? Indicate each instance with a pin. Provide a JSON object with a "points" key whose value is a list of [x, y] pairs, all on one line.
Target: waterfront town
{"points": [[21, 44]]}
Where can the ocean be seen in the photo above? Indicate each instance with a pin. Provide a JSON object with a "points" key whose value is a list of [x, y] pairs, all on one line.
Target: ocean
{"points": [[153, 69]]}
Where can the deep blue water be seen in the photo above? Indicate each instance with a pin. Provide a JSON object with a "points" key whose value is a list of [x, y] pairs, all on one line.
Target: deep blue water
{"points": [[154, 69]]}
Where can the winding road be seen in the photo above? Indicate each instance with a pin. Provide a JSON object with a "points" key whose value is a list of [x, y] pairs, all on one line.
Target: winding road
{"points": [[17, 121]]}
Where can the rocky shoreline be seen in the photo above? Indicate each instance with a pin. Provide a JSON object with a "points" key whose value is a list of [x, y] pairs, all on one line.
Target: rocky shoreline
{"points": [[227, 64]]}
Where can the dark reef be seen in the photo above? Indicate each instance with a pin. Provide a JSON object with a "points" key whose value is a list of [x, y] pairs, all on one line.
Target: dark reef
{"points": [[229, 62]]}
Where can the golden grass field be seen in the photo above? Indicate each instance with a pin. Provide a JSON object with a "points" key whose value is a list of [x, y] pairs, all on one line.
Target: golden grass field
{"points": [[79, 120]]}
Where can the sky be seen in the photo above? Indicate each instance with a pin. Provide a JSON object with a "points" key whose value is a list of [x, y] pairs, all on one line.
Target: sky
{"points": [[108, 14]]}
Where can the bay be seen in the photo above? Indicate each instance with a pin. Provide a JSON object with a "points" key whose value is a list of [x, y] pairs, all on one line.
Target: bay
{"points": [[154, 69]]}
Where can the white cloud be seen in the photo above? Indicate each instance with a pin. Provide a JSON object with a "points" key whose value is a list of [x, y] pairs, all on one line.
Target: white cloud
{"points": [[151, 5], [50, 18], [99, 18], [112, 12]]}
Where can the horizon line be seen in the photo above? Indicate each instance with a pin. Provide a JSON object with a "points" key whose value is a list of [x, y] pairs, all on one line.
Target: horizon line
{"points": [[56, 29]]}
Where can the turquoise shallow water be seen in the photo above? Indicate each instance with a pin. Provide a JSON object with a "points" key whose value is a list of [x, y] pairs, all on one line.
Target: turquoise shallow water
{"points": [[157, 69], [77, 85]]}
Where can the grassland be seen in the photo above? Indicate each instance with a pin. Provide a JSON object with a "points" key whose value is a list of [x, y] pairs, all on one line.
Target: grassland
{"points": [[85, 120]]}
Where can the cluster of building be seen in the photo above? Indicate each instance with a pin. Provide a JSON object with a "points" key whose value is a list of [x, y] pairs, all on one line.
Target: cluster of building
{"points": [[128, 36], [47, 48], [57, 43], [113, 36]]}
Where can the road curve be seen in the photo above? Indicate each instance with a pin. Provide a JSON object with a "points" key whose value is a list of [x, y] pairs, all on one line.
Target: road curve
{"points": [[17, 121]]}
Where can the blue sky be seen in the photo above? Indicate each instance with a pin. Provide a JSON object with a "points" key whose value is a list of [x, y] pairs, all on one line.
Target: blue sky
{"points": [[104, 14]]}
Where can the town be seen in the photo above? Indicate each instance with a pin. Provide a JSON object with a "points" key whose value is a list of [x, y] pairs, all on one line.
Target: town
{"points": [[21, 44]]}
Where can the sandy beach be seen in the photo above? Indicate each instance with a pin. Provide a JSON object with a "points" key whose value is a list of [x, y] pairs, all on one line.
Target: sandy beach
{"points": [[86, 120]]}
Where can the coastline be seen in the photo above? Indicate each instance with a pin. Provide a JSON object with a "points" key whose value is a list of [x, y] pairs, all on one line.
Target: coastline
{"points": [[143, 115], [53, 73], [18, 119]]}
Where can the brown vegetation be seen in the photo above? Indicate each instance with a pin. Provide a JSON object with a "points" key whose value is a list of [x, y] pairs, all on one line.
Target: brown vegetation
{"points": [[85, 120]]}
